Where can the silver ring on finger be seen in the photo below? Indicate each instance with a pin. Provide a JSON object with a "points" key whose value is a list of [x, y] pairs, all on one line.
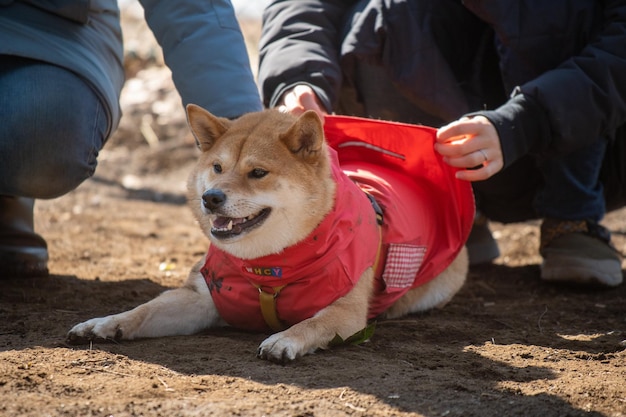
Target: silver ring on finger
{"points": [[482, 152]]}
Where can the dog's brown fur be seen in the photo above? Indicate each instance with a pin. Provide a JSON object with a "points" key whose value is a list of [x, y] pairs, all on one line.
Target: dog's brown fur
{"points": [[264, 160]]}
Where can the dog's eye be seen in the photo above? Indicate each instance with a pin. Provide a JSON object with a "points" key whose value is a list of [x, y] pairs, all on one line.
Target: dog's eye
{"points": [[217, 168], [258, 173]]}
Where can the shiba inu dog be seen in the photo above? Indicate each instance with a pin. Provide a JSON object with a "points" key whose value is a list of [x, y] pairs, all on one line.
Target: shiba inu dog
{"points": [[302, 245]]}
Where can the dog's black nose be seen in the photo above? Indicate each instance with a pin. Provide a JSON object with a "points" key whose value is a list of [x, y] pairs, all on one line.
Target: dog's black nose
{"points": [[213, 199]]}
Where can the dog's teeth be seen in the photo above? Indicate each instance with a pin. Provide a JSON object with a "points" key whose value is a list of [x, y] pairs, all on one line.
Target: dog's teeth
{"points": [[230, 225]]}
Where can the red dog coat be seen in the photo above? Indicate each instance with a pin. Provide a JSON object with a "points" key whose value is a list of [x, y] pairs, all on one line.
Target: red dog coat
{"points": [[427, 214]]}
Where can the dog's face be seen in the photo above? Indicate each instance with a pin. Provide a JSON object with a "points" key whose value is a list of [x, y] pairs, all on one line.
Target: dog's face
{"points": [[262, 183]]}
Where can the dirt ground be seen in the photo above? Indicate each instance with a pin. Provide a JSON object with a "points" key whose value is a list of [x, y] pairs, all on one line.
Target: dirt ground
{"points": [[507, 345]]}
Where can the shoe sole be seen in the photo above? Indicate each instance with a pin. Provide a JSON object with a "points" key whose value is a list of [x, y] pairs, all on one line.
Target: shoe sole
{"points": [[23, 262], [581, 271], [31, 271]]}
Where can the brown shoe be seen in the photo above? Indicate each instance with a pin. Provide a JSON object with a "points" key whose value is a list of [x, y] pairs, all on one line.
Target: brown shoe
{"points": [[23, 253]]}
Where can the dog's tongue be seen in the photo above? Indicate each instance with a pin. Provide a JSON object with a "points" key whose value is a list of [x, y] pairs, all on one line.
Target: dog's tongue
{"points": [[221, 222]]}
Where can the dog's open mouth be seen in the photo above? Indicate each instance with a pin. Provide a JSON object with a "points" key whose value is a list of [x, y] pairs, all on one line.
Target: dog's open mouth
{"points": [[225, 227]]}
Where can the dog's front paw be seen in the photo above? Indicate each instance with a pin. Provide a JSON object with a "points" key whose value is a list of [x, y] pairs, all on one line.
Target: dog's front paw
{"points": [[103, 328], [281, 348]]}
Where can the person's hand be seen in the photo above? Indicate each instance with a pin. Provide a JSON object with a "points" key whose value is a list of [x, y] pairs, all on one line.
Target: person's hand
{"points": [[471, 143], [300, 99]]}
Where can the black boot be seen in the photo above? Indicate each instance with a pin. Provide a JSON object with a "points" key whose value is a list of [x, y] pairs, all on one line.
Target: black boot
{"points": [[23, 253]]}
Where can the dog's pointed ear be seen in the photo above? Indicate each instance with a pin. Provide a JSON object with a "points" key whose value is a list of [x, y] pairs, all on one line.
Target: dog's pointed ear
{"points": [[206, 128], [306, 136]]}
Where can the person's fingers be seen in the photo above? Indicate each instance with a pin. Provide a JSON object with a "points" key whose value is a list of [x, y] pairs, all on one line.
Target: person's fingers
{"points": [[291, 102], [482, 173], [458, 130], [473, 146], [300, 99], [467, 160], [309, 102]]}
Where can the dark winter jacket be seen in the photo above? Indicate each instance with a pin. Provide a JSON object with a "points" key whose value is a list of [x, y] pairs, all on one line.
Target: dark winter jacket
{"points": [[201, 42], [563, 62]]}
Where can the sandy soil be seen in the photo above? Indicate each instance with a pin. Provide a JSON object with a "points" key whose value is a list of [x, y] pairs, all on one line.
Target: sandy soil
{"points": [[508, 344]]}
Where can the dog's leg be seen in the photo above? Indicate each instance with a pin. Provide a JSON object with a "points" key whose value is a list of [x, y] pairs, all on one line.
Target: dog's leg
{"points": [[181, 311], [435, 293], [344, 317]]}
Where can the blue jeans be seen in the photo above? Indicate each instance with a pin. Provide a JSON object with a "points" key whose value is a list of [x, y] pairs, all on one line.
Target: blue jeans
{"points": [[563, 187], [572, 189], [52, 126]]}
